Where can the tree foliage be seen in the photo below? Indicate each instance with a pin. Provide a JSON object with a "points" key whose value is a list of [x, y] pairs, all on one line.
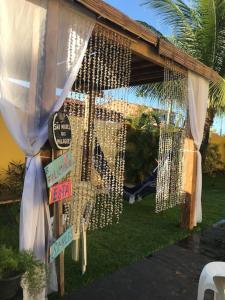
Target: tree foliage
{"points": [[213, 163], [11, 179], [142, 146], [199, 29]]}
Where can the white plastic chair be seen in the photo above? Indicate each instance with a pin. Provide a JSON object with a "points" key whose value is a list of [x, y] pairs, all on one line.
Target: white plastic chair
{"points": [[212, 278]]}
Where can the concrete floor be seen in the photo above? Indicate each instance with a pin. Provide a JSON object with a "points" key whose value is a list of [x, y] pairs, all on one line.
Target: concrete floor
{"points": [[169, 274]]}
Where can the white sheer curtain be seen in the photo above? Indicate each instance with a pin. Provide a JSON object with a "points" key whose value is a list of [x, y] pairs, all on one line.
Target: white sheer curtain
{"points": [[198, 90], [26, 113]]}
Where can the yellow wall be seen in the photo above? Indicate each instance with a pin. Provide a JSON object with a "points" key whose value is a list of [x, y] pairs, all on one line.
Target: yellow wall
{"points": [[9, 151], [220, 141]]}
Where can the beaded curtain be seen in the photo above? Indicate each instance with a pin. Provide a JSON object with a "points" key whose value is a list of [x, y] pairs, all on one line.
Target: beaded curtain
{"points": [[96, 109], [173, 131]]}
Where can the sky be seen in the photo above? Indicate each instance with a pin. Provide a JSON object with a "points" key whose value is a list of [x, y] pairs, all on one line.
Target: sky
{"points": [[136, 11]]}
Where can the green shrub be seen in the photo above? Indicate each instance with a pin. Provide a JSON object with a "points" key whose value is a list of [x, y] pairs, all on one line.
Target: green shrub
{"points": [[13, 263], [141, 147], [12, 179], [9, 263], [213, 163]]}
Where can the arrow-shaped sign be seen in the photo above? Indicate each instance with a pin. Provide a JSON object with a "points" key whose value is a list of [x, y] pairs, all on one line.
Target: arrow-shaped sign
{"points": [[60, 191], [59, 168]]}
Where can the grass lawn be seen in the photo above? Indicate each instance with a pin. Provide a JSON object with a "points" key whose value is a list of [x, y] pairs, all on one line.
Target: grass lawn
{"points": [[139, 233]]}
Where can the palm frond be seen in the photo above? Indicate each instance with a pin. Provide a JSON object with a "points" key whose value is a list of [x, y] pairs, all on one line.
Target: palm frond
{"points": [[200, 31], [174, 13], [219, 62], [182, 18], [206, 33], [217, 95], [152, 91]]}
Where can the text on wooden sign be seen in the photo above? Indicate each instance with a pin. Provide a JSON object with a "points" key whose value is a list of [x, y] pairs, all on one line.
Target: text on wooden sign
{"points": [[60, 191], [59, 245], [59, 132], [59, 168]]}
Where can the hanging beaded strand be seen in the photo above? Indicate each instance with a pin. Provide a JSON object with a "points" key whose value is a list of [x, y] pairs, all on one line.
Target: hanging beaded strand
{"points": [[102, 83], [172, 133]]}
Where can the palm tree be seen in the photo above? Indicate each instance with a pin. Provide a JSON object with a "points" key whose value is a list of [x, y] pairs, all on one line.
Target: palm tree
{"points": [[199, 29]]}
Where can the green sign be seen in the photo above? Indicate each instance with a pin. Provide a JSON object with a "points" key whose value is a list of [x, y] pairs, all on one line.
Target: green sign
{"points": [[59, 245], [59, 168]]}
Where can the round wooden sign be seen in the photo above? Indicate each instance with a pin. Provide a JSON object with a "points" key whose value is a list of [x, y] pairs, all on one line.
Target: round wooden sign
{"points": [[60, 131]]}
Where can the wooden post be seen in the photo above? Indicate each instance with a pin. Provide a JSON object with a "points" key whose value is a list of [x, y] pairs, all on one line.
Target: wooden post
{"points": [[58, 223], [49, 96], [190, 175]]}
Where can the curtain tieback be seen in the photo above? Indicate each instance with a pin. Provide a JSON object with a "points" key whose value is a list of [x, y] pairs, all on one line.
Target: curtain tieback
{"points": [[31, 158]]}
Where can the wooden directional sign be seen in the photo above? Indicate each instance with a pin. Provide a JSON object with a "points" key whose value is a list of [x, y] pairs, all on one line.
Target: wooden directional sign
{"points": [[59, 131], [59, 168], [59, 245], [61, 191]]}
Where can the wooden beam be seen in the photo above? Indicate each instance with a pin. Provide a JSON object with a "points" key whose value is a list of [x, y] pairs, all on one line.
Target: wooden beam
{"points": [[150, 54], [148, 78], [190, 174], [112, 14], [147, 71], [58, 219], [169, 50], [136, 83], [136, 59], [141, 65], [118, 31], [146, 81]]}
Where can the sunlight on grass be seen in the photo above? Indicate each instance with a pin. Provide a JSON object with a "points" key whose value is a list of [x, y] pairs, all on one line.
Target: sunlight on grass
{"points": [[139, 233]]}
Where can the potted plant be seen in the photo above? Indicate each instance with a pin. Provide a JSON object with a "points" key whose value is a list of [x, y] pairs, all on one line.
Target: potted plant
{"points": [[16, 266]]}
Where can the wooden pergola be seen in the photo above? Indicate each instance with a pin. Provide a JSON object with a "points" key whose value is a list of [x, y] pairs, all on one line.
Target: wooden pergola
{"points": [[149, 57], [148, 49], [150, 54]]}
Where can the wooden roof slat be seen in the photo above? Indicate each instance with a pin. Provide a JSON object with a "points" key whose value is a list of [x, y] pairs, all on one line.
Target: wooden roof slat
{"points": [[147, 71], [140, 82], [142, 65], [169, 50], [147, 77], [148, 44], [150, 54]]}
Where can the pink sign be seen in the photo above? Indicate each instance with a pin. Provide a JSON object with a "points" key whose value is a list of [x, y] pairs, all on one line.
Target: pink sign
{"points": [[61, 191]]}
